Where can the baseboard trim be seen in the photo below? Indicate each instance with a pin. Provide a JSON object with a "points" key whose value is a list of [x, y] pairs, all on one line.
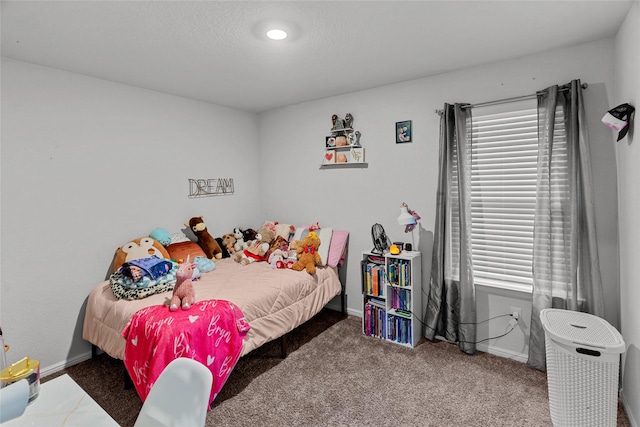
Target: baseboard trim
{"points": [[52, 369], [503, 352], [627, 409]]}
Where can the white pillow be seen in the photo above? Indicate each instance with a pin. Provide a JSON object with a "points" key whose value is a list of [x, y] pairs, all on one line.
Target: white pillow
{"points": [[324, 234], [179, 237]]}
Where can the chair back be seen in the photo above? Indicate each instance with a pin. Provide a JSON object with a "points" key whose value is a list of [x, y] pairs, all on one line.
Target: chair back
{"points": [[179, 397], [13, 400]]}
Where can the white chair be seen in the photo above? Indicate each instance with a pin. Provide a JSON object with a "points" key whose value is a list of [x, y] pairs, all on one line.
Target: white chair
{"points": [[13, 400], [179, 397]]}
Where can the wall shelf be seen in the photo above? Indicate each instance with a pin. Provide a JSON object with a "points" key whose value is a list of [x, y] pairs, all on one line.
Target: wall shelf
{"points": [[354, 165]]}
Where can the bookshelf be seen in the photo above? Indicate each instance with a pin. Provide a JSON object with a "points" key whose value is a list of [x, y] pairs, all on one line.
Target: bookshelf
{"points": [[392, 297]]}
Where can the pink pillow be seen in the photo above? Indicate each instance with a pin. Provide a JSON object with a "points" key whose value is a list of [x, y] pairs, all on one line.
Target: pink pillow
{"points": [[337, 248]]}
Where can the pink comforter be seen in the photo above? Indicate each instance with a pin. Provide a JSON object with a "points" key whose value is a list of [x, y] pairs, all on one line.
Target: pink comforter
{"points": [[211, 332]]}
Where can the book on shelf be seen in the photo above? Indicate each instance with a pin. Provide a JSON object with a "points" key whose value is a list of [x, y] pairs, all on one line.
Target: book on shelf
{"points": [[375, 289], [376, 301], [399, 330], [373, 278], [400, 298], [374, 320]]}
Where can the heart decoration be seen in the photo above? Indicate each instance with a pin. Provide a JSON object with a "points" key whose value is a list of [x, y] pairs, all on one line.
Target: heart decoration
{"points": [[193, 318], [210, 360], [328, 156], [134, 341]]}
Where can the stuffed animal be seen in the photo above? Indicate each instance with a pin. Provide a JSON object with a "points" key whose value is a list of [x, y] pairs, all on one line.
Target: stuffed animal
{"points": [[258, 250], [183, 293], [229, 241], [204, 264], [143, 247], [223, 248], [253, 253], [295, 249], [278, 243], [249, 235], [240, 244], [161, 235], [277, 258], [208, 244], [309, 257]]}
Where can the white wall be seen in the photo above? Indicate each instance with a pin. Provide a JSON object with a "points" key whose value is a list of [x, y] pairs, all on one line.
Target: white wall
{"points": [[627, 82], [292, 144], [88, 165]]}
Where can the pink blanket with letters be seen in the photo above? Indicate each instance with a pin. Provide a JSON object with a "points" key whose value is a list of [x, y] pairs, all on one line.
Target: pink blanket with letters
{"points": [[211, 332]]}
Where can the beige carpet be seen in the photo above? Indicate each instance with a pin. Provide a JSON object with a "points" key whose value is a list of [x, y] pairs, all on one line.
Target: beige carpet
{"points": [[336, 376]]}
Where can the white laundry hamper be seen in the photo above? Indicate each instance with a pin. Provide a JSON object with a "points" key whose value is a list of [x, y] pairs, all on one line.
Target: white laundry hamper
{"points": [[583, 364]]}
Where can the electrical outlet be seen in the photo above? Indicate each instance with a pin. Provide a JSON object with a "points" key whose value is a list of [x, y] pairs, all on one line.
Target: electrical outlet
{"points": [[516, 312]]}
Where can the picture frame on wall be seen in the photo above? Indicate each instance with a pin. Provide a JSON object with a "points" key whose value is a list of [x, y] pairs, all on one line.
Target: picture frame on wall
{"points": [[343, 157], [357, 155], [329, 157], [404, 131]]}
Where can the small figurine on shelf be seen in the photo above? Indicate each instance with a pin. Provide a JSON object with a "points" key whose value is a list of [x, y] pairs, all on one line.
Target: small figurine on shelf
{"points": [[356, 141], [338, 123], [348, 121]]}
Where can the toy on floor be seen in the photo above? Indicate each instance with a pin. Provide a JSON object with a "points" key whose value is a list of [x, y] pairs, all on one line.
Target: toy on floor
{"points": [[208, 244], [183, 293]]}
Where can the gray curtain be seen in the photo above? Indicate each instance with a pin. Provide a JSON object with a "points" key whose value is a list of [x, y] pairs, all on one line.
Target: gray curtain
{"points": [[451, 305], [566, 272]]}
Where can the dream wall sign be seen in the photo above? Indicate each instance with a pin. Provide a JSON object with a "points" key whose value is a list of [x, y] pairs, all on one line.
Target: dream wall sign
{"points": [[210, 187]]}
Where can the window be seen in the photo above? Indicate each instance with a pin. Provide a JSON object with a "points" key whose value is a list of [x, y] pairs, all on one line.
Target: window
{"points": [[504, 151]]}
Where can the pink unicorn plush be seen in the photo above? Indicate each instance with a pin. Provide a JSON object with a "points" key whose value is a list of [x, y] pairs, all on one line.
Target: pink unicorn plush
{"points": [[183, 291]]}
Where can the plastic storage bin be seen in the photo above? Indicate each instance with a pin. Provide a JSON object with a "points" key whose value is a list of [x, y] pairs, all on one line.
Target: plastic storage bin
{"points": [[583, 363]]}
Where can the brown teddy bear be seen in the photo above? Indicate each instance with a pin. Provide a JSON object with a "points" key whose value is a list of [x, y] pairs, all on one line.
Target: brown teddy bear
{"points": [[308, 256], [259, 248], [208, 244]]}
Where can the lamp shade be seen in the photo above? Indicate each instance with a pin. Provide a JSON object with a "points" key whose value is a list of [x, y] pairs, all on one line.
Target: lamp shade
{"points": [[405, 217]]}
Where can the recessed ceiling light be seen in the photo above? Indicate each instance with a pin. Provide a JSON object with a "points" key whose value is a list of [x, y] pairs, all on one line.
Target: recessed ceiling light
{"points": [[277, 34]]}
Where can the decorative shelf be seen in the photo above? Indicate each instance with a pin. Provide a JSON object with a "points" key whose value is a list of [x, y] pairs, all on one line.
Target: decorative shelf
{"points": [[343, 147], [353, 165]]}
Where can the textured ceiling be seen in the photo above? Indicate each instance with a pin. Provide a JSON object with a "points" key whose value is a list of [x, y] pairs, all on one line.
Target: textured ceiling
{"points": [[215, 51]]}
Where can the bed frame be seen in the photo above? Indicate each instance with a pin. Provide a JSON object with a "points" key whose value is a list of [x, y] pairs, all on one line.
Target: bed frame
{"points": [[330, 277]]}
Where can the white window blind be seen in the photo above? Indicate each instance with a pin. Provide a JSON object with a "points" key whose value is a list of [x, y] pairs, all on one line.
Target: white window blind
{"points": [[504, 173], [503, 193]]}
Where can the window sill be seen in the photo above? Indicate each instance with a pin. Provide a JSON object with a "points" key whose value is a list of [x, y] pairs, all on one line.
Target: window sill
{"points": [[520, 289]]}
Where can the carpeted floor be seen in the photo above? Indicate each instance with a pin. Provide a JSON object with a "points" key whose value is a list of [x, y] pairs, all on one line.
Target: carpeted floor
{"points": [[336, 376]]}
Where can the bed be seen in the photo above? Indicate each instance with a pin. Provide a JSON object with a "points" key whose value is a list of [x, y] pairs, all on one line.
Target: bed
{"points": [[274, 302], [238, 307]]}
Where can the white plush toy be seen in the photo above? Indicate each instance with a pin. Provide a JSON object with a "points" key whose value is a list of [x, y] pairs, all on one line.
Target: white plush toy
{"points": [[240, 244]]}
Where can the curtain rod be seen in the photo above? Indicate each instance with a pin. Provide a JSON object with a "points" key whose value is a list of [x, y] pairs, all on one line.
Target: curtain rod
{"points": [[513, 99]]}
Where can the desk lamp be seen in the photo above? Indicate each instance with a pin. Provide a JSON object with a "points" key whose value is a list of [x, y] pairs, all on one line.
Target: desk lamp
{"points": [[409, 219]]}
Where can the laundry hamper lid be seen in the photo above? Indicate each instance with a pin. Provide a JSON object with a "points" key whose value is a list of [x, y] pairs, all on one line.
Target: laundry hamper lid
{"points": [[581, 329]]}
